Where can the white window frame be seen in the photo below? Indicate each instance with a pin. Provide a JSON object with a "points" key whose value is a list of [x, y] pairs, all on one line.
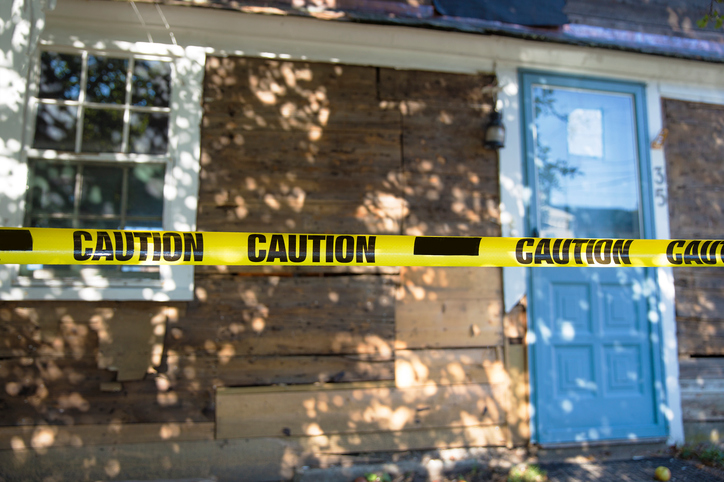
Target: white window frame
{"points": [[181, 179]]}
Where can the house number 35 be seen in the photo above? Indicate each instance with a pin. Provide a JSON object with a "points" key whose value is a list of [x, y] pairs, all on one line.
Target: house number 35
{"points": [[660, 185]]}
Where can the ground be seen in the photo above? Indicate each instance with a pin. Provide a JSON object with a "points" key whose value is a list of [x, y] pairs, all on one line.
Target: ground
{"points": [[626, 463]]}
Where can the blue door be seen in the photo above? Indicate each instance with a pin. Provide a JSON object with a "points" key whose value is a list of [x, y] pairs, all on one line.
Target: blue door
{"points": [[594, 354]]}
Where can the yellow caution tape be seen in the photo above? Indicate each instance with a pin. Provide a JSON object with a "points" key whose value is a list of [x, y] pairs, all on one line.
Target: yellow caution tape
{"points": [[92, 246]]}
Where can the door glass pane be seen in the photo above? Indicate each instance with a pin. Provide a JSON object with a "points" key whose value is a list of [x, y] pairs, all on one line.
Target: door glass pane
{"points": [[586, 163]]}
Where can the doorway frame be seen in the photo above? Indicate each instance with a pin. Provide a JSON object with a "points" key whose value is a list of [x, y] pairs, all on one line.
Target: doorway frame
{"points": [[647, 219]]}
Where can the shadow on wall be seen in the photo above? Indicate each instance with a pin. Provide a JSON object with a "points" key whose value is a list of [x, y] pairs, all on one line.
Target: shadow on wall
{"points": [[294, 147]]}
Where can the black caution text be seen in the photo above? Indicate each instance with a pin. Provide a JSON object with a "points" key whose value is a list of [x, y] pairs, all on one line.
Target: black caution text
{"points": [[315, 248], [100, 246], [682, 252], [573, 252]]}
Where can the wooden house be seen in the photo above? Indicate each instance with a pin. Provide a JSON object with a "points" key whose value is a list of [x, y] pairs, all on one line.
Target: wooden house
{"points": [[360, 117]]}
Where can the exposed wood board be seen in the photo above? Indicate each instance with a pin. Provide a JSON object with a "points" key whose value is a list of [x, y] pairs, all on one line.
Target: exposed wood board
{"points": [[368, 211], [450, 179], [702, 385], [356, 410], [397, 85], [131, 341], [451, 168], [133, 404], [699, 213], [470, 188], [420, 222], [299, 188], [704, 368], [449, 367], [280, 316], [245, 371], [367, 215], [54, 329], [327, 147], [448, 323], [438, 438], [702, 406], [697, 345], [204, 372], [453, 134], [518, 416], [515, 325], [161, 461], [704, 279], [449, 283], [300, 271], [46, 436], [699, 304], [339, 116], [125, 338], [361, 217], [268, 82], [515, 322], [316, 387], [698, 432], [260, 459], [701, 337]]}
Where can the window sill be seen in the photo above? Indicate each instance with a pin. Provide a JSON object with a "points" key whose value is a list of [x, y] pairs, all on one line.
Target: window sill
{"points": [[176, 284]]}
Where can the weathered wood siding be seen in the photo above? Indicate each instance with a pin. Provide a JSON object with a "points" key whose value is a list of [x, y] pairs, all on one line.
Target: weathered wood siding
{"points": [[295, 147], [696, 204], [325, 148]]}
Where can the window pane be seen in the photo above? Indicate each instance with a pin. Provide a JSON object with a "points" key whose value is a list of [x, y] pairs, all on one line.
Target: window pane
{"points": [[102, 130], [586, 163], [52, 188], [151, 83], [102, 190], [60, 76], [145, 190], [149, 133], [55, 127], [106, 80]]}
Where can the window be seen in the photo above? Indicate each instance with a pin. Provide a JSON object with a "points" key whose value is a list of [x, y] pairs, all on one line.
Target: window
{"points": [[90, 106], [111, 143]]}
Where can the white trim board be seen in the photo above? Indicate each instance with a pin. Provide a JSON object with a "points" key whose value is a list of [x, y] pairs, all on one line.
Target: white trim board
{"points": [[665, 276]]}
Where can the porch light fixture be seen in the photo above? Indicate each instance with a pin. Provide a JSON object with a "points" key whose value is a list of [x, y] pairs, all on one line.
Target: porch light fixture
{"points": [[495, 131]]}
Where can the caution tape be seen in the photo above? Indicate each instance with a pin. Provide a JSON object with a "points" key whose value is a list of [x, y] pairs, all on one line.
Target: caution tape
{"points": [[98, 247]]}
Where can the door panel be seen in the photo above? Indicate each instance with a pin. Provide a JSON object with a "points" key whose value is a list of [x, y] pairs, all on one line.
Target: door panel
{"points": [[594, 353]]}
